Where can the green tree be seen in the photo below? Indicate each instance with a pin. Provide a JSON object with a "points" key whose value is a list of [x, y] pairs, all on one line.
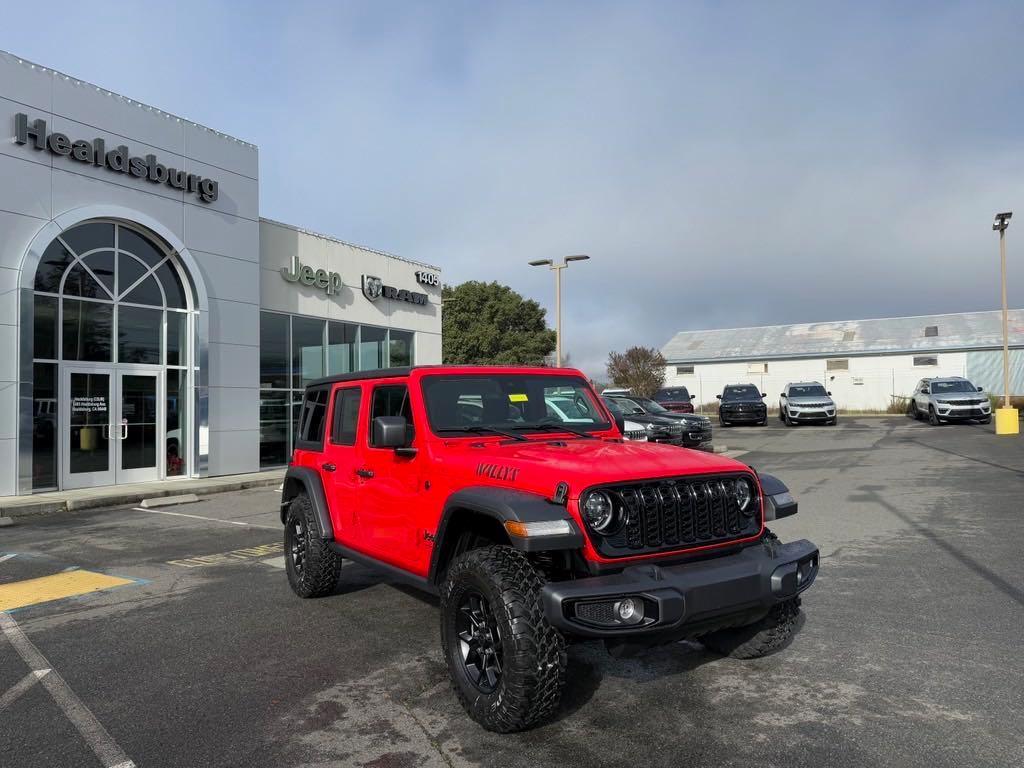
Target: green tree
{"points": [[489, 323], [640, 369]]}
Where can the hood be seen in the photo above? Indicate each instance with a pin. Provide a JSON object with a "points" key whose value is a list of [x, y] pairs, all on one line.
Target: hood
{"points": [[540, 464], [663, 420], [958, 397], [689, 419], [743, 401]]}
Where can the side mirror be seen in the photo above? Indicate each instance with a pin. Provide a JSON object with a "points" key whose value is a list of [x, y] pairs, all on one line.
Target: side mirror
{"points": [[719, 397], [390, 432], [828, 393], [782, 394], [763, 395], [981, 389]]}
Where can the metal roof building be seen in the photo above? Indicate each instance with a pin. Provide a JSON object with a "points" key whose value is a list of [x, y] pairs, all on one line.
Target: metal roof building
{"points": [[888, 336], [868, 363]]}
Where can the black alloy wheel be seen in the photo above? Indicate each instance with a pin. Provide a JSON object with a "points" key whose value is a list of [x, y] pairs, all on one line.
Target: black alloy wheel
{"points": [[298, 541], [311, 565], [479, 642]]}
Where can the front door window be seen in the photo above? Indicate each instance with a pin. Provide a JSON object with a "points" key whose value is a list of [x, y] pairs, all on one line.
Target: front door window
{"points": [[90, 416]]}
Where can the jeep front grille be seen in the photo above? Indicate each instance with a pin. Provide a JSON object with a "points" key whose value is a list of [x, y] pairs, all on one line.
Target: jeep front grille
{"points": [[676, 514]]}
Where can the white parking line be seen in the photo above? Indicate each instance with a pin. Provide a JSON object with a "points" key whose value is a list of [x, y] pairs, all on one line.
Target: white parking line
{"points": [[8, 556], [21, 686], [95, 735], [210, 519]]}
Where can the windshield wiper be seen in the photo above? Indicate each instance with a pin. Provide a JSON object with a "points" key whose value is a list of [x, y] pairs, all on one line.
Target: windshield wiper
{"points": [[547, 427], [480, 429]]}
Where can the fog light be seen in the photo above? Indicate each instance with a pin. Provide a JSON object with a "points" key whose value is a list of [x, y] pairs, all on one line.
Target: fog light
{"points": [[629, 611]]}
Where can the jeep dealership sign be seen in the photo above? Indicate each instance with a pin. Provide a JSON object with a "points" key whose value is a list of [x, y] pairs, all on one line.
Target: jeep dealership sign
{"points": [[117, 160], [297, 272]]}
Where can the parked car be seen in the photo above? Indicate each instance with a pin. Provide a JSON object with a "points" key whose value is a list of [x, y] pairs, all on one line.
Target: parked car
{"points": [[686, 429], [742, 403], [633, 430], [949, 399], [532, 532], [676, 399], [806, 401]]}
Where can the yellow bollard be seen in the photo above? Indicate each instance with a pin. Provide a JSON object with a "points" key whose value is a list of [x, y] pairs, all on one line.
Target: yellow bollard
{"points": [[1007, 422]]}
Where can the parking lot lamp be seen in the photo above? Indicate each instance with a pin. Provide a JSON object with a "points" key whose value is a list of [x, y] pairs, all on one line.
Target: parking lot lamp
{"points": [[1007, 422], [557, 269]]}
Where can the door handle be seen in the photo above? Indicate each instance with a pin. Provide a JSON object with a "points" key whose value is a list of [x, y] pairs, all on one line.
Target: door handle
{"points": [[124, 431], [328, 467], [105, 432], [367, 473]]}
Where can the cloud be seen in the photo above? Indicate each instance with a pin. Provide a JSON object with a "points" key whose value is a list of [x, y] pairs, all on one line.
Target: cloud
{"points": [[723, 166]]}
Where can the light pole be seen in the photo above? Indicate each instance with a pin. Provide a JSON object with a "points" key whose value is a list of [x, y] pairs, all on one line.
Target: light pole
{"points": [[557, 269], [1006, 417]]}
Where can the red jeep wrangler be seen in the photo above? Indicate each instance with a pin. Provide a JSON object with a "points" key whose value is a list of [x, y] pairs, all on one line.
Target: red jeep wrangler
{"points": [[511, 494]]}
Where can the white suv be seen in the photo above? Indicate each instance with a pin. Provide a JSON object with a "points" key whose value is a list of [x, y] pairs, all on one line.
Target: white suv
{"points": [[806, 401], [949, 399]]}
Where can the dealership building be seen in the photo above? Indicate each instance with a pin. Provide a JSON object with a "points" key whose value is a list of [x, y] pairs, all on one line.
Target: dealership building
{"points": [[152, 325], [866, 364]]}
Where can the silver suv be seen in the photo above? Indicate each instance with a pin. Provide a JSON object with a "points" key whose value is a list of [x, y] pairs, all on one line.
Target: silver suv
{"points": [[949, 399], [806, 401]]}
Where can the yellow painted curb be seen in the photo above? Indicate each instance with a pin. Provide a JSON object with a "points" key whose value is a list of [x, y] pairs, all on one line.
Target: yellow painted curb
{"points": [[56, 587], [1007, 421]]}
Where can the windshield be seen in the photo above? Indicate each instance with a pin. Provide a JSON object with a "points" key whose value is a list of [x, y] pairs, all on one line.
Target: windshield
{"points": [[671, 395], [808, 390], [741, 393], [944, 387], [650, 406], [513, 401], [626, 405]]}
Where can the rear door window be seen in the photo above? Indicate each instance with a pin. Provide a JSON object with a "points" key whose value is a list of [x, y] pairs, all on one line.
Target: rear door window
{"points": [[309, 435]]}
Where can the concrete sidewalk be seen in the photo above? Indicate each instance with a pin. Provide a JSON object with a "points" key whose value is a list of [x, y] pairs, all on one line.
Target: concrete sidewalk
{"points": [[120, 495]]}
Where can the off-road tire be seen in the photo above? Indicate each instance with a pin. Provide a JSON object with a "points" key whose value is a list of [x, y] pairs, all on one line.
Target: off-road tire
{"points": [[533, 652], [833, 421], [760, 638], [788, 420], [933, 417], [723, 423], [913, 412], [321, 566]]}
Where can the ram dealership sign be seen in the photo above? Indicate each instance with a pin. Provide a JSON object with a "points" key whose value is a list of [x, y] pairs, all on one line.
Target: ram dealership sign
{"points": [[374, 288]]}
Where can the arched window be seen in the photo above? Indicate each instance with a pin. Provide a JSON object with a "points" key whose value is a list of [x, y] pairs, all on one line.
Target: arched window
{"points": [[106, 292]]}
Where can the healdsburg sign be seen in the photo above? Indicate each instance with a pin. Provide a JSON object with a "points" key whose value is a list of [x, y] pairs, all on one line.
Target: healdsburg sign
{"points": [[117, 159]]}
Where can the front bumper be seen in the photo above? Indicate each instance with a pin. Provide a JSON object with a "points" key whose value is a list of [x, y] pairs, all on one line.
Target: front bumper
{"points": [[688, 599], [811, 414], [952, 411], [756, 415]]}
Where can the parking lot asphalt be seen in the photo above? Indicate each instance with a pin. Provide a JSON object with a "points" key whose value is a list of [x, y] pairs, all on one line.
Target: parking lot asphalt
{"points": [[201, 656]]}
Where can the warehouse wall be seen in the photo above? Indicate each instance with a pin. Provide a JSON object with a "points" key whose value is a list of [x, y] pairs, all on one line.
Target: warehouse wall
{"points": [[869, 384]]}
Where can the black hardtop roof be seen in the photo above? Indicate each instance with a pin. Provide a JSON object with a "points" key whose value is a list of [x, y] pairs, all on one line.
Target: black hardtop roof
{"points": [[403, 371]]}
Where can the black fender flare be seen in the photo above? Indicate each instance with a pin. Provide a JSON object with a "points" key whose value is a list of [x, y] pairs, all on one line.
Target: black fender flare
{"points": [[778, 501], [504, 505], [306, 480]]}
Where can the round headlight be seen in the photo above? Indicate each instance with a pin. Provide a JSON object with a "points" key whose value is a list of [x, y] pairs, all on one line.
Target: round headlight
{"points": [[598, 511], [744, 495]]}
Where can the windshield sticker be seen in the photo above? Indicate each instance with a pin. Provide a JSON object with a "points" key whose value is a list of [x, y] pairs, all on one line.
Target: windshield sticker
{"points": [[518, 398]]}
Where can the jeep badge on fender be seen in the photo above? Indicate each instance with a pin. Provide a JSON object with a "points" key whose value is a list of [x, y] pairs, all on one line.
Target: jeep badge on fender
{"points": [[511, 494]]}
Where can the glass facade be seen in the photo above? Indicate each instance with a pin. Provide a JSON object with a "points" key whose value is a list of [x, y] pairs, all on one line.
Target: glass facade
{"points": [[296, 350], [108, 296]]}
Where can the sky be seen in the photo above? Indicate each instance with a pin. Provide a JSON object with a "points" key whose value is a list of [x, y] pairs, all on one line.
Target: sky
{"points": [[723, 164]]}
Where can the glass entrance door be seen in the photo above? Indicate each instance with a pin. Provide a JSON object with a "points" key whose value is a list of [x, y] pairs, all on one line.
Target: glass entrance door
{"points": [[138, 402], [112, 426], [89, 450]]}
